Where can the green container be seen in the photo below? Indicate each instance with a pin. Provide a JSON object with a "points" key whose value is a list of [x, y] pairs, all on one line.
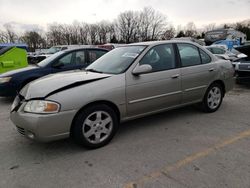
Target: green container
{"points": [[12, 58]]}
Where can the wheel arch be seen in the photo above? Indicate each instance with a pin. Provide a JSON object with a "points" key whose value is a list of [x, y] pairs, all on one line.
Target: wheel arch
{"points": [[222, 85], [108, 103]]}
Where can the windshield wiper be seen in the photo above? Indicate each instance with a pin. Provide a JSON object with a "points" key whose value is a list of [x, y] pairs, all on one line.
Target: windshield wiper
{"points": [[93, 70]]}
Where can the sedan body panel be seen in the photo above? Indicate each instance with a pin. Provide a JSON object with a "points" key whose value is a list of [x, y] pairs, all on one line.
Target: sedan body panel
{"points": [[195, 81], [153, 91]]}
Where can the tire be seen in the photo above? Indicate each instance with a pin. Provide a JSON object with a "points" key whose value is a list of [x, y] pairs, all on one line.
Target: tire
{"points": [[95, 126], [213, 98]]}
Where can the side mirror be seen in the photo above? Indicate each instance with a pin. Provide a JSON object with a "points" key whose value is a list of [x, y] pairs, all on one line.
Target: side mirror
{"points": [[142, 69]]}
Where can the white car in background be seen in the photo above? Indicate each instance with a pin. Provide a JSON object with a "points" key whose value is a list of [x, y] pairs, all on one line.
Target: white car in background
{"points": [[222, 52]]}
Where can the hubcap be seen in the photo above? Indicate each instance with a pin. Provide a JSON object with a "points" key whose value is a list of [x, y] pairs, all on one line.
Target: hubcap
{"points": [[97, 127], [214, 98]]}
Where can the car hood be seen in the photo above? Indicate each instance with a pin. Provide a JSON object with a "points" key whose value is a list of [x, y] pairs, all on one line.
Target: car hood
{"points": [[22, 70], [55, 83]]}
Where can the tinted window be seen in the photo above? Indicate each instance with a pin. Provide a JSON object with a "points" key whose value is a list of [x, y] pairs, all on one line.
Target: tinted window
{"points": [[160, 57], [5, 49], [95, 54], [189, 55], [49, 59], [80, 58], [205, 58], [65, 60]]}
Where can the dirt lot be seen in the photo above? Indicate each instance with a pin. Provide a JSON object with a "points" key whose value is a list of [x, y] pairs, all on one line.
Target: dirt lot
{"points": [[179, 148]]}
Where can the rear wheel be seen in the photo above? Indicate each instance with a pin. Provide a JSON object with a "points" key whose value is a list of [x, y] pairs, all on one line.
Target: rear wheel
{"points": [[213, 98], [95, 126]]}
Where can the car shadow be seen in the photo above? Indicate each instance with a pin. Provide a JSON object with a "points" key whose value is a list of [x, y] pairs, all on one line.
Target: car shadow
{"points": [[155, 119]]}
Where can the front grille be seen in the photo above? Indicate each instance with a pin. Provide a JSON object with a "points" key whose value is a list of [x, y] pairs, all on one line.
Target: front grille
{"points": [[245, 67], [21, 130], [243, 74]]}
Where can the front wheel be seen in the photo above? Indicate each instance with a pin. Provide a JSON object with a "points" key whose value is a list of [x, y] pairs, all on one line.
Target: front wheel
{"points": [[95, 126], [213, 98]]}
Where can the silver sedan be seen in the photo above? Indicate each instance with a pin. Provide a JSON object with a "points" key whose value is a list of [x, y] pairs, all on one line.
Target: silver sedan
{"points": [[127, 83]]}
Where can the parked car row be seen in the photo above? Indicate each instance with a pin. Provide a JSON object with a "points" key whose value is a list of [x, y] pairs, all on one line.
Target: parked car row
{"points": [[79, 58], [126, 83], [222, 52], [38, 57], [239, 57]]}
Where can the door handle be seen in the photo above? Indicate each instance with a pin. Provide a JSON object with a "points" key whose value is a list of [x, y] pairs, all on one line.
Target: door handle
{"points": [[175, 76], [211, 70]]}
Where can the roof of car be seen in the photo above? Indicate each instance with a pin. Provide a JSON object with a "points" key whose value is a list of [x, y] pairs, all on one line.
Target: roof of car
{"points": [[85, 48], [149, 43]]}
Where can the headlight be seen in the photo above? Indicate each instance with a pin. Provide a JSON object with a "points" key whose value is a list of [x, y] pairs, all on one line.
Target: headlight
{"points": [[41, 107], [4, 79]]}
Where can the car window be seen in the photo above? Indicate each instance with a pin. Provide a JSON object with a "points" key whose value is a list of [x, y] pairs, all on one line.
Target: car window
{"points": [[95, 54], [48, 60], [65, 60], [189, 55], [160, 58], [117, 60], [80, 58], [205, 58], [218, 51]]}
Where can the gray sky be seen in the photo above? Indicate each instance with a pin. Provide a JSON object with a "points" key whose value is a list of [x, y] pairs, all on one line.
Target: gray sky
{"points": [[31, 13]]}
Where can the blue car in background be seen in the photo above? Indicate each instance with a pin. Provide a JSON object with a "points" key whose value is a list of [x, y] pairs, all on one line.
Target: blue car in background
{"points": [[12, 82]]}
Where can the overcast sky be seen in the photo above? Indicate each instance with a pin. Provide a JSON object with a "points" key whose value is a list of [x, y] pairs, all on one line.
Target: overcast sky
{"points": [[29, 14]]}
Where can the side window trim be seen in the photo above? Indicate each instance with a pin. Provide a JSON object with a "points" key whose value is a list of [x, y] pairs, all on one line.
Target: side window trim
{"points": [[177, 56], [210, 59]]}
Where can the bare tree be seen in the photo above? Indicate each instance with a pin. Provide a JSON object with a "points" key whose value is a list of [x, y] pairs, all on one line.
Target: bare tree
{"points": [[83, 33], [34, 40], [151, 24], [54, 34], [158, 23], [127, 24], [10, 35], [103, 31], [210, 27], [3, 37], [168, 34], [93, 31], [145, 21], [191, 30]]}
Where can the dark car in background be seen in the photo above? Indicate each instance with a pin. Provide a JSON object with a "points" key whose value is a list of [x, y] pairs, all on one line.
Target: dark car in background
{"points": [[11, 82], [242, 66], [36, 57]]}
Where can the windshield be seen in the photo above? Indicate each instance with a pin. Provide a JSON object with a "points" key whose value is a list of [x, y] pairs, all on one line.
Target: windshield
{"points": [[47, 61], [235, 51], [53, 50], [117, 60]]}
